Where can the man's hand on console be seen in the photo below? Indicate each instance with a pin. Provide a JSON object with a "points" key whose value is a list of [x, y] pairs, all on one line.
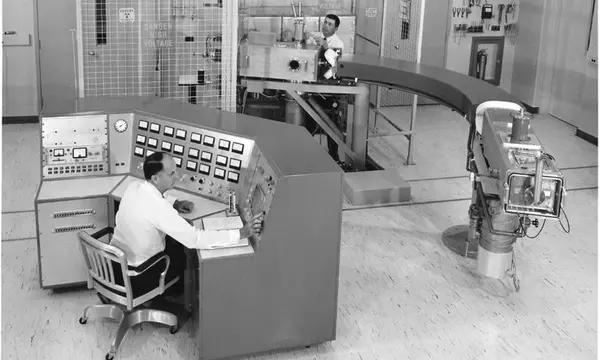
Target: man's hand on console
{"points": [[183, 206], [252, 227]]}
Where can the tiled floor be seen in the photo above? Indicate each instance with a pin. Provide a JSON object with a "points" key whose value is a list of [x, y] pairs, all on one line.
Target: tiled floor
{"points": [[402, 293]]}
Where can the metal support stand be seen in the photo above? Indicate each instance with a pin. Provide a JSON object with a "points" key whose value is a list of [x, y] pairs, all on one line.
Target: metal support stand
{"points": [[354, 146]]}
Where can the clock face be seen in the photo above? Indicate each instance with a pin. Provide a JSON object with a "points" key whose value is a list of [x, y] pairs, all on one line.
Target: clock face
{"points": [[120, 125]]}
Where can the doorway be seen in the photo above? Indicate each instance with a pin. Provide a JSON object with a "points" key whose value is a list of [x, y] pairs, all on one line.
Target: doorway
{"points": [[486, 58]]}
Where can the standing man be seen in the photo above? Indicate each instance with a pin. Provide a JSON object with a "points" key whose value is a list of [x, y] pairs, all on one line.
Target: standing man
{"points": [[331, 44], [145, 217], [335, 106]]}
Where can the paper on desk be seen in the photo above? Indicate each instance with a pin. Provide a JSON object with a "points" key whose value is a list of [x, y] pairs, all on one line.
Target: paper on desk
{"points": [[224, 239], [222, 223]]}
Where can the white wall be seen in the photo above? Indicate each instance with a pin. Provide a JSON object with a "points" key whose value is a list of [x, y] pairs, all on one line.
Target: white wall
{"points": [[527, 48], [20, 92], [566, 81]]}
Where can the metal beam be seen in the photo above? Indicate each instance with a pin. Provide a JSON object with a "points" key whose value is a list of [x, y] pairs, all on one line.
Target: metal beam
{"points": [[328, 127]]}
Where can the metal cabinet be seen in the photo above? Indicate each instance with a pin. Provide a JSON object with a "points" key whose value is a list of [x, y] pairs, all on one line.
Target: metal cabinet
{"points": [[59, 221], [58, 80]]}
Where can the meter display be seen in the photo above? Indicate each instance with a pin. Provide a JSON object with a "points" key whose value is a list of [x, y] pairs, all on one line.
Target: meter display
{"points": [[79, 153]]}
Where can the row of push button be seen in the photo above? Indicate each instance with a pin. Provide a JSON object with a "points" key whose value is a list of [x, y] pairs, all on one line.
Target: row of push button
{"points": [[73, 169], [194, 137], [193, 153]]}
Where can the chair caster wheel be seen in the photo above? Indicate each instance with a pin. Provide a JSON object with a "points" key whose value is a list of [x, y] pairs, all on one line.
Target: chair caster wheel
{"points": [[109, 356], [173, 329], [82, 320]]}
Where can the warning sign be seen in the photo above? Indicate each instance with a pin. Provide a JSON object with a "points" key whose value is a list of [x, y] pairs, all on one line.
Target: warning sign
{"points": [[371, 12], [126, 15]]}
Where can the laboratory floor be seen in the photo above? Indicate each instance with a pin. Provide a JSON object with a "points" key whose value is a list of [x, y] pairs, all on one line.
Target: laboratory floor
{"points": [[402, 293]]}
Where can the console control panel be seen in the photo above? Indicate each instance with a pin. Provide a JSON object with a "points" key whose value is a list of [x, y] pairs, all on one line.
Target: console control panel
{"points": [[210, 163], [258, 192], [74, 146]]}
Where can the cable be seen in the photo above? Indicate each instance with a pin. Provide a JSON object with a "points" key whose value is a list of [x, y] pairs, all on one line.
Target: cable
{"points": [[562, 211], [524, 231], [268, 96], [548, 155]]}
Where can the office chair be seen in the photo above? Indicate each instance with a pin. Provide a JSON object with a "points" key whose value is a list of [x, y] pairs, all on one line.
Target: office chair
{"points": [[110, 276]]}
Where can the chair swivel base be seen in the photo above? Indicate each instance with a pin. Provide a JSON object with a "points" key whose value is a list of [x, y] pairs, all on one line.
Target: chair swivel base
{"points": [[129, 319]]}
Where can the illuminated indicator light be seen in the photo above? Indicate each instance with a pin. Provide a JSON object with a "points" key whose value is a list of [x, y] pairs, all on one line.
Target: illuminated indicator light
{"points": [[138, 151], [204, 169], [235, 164], [219, 173], [178, 149], [221, 160], [233, 176], [224, 144], [206, 156], [191, 165], [169, 131], [193, 153], [237, 148], [195, 137], [166, 146], [181, 134], [209, 140]]}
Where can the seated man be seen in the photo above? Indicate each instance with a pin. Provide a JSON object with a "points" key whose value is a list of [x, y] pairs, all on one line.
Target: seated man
{"points": [[145, 217]]}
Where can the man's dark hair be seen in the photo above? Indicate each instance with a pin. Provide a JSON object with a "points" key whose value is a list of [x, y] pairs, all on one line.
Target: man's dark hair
{"points": [[153, 164], [334, 18]]}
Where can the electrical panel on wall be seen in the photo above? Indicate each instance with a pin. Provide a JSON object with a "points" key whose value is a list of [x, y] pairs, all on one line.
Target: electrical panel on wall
{"points": [[210, 163], [487, 17], [74, 146]]}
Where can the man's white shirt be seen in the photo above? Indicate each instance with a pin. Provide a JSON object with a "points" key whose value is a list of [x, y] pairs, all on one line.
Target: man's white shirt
{"points": [[145, 216], [333, 42]]}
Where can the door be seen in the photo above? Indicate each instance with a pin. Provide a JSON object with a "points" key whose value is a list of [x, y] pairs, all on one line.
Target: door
{"points": [[58, 80], [486, 58], [369, 22], [400, 40], [20, 82]]}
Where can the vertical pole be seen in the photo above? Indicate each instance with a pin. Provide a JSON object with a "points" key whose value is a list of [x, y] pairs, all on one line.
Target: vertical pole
{"points": [[360, 125], [229, 26], [413, 114], [79, 40], [138, 18]]}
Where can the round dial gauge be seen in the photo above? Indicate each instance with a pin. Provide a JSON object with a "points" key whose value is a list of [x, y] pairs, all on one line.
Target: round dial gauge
{"points": [[120, 125]]}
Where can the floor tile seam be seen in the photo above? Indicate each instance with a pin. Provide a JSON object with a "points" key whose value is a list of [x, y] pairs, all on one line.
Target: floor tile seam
{"points": [[408, 203], [19, 239], [17, 212], [466, 176], [579, 167]]}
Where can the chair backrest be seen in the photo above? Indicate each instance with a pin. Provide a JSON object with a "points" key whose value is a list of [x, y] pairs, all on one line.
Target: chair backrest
{"points": [[99, 258]]}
